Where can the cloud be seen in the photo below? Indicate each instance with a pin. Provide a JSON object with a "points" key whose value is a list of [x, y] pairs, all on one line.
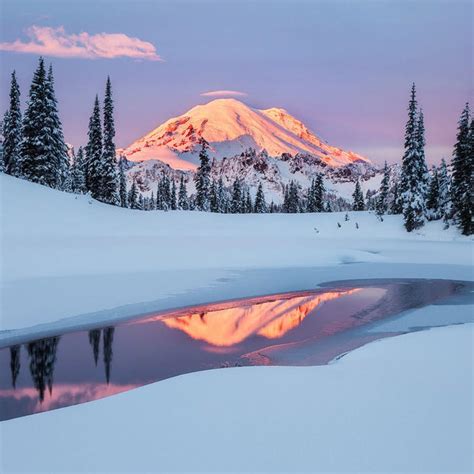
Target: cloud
{"points": [[50, 41], [224, 94]]}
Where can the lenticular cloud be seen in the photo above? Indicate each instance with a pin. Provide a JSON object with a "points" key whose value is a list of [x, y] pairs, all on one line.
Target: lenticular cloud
{"points": [[50, 41]]}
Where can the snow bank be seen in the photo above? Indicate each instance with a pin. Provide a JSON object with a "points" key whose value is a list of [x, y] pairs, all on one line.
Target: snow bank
{"points": [[398, 405], [64, 255]]}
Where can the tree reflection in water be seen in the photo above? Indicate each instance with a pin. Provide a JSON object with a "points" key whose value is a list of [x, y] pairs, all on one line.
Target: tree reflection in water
{"points": [[94, 340], [42, 355], [15, 363], [108, 340]]}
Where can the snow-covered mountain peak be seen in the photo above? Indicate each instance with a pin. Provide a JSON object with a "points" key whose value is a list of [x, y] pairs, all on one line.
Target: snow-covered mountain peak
{"points": [[230, 127]]}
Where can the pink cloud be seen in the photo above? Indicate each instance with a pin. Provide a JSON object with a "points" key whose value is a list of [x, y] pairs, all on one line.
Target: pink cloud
{"points": [[50, 41], [224, 93]]}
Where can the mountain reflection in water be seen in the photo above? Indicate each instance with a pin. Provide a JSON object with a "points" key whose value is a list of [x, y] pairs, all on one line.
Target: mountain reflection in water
{"points": [[299, 328]]}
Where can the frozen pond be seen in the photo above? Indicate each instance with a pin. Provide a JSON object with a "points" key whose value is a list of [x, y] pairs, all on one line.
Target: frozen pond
{"points": [[298, 328]]}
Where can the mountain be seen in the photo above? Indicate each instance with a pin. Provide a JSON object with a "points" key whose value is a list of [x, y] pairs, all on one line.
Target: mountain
{"points": [[231, 127]]}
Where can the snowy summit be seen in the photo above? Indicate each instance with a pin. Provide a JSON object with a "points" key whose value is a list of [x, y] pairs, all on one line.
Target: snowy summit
{"points": [[230, 127]]}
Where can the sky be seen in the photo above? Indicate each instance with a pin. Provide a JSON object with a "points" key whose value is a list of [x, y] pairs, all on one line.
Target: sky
{"points": [[344, 68]]}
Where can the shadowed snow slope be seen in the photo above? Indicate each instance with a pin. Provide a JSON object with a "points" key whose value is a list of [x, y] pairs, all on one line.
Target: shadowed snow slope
{"points": [[230, 127], [398, 405], [63, 254]]}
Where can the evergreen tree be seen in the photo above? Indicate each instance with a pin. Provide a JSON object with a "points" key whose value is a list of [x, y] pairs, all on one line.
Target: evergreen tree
{"points": [[122, 183], [108, 340], [432, 201], [445, 204], [12, 131], [222, 204], [94, 152], [462, 178], [293, 199], [202, 180], [358, 198], [248, 203], [133, 196], [236, 203], [54, 138], [260, 204], [78, 176], [108, 163], [141, 202], [328, 207], [382, 200], [413, 183], [173, 203], [182, 195], [38, 163], [213, 199], [397, 205], [94, 341]]}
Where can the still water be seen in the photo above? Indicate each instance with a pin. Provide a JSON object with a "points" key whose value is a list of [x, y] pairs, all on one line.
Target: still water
{"points": [[298, 328]]}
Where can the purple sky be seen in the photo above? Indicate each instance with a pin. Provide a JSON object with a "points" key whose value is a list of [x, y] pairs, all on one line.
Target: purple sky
{"points": [[343, 67]]}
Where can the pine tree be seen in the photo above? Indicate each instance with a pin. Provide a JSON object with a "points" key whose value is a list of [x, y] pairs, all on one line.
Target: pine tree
{"points": [[173, 200], [202, 180], [222, 203], [358, 198], [248, 203], [54, 139], [78, 177], [397, 205], [108, 163], [462, 178], [94, 152], [432, 201], [38, 163], [260, 204], [122, 183], [182, 195], [133, 196], [141, 202], [236, 203], [413, 182], [382, 200], [293, 199], [12, 131], [445, 204], [213, 199]]}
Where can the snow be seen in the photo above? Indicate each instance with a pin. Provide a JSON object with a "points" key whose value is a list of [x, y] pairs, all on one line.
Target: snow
{"points": [[402, 404], [399, 405], [74, 256], [230, 126]]}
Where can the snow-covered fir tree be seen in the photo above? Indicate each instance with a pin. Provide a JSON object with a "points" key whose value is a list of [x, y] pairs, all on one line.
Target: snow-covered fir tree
{"points": [[108, 164], [248, 203], [182, 195], [358, 198], [414, 176], [202, 179], [222, 201], [213, 199], [260, 204], [78, 176], [38, 162], [12, 130], [444, 201], [55, 138], [432, 199], [462, 174], [293, 198], [382, 199], [122, 183], [173, 198], [397, 205], [236, 202], [94, 152], [133, 196]]}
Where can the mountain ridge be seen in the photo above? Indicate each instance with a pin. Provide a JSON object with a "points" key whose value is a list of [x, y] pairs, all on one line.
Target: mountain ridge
{"points": [[230, 127]]}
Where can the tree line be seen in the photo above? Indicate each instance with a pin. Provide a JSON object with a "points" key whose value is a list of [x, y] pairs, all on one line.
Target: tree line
{"points": [[34, 149]]}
